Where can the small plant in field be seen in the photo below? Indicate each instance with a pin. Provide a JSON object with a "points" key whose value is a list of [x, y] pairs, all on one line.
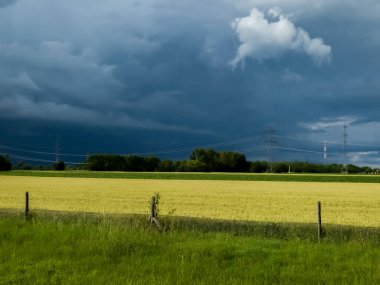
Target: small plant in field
{"points": [[169, 220], [154, 202], [172, 212]]}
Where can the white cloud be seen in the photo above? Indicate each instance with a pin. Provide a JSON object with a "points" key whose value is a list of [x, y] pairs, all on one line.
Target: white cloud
{"points": [[358, 157], [363, 142], [290, 76], [360, 134], [268, 36], [328, 123], [23, 81]]}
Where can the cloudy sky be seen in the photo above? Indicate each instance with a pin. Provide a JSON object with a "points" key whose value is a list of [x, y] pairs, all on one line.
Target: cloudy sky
{"points": [[164, 76]]}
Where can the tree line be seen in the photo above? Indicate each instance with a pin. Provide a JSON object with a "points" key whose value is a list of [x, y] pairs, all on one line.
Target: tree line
{"points": [[200, 160], [5, 164], [306, 167], [209, 160]]}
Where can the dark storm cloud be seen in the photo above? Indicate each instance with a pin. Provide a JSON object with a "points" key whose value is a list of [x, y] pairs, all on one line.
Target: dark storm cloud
{"points": [[97, 61], [4, 3], [167, 66]]}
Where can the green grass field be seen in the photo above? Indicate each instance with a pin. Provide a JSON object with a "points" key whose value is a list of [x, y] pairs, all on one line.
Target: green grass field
{"points": [[92, 228], [201, 176], [54, 249]]}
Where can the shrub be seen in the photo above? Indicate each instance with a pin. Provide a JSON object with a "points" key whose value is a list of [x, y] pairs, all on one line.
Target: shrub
{"points": [[59, 166], [5, 164]]}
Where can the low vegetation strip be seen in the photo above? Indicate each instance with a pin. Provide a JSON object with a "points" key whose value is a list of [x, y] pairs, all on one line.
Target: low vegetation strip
{"points": [[92, 250], [286, 231], [291, 177], [342, 203]]}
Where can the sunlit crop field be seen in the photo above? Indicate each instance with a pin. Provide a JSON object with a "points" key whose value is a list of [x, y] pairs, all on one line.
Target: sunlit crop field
{"points": [[342, 203]]}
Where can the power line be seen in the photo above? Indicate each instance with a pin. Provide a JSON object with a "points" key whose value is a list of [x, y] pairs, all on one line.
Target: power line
{"points": [[219, 144], [345, 159], [27, 145], [363, 145], [271, 142], [57, 150], [270, 147], [40, 160], [40, 152], [252, 149], [320, 152], [330, 142], [297, 139], [300, 150], [232, 142]]}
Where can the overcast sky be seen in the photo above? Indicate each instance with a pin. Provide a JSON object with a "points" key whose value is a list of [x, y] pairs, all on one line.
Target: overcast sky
{"points": [[165, 76]]}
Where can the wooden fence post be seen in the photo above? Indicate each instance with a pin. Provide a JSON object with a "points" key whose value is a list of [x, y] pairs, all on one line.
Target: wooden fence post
{"points": [[153, 210], [319, 221], [26, 205]]}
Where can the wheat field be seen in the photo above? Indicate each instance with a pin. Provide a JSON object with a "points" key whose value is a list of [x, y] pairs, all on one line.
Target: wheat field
{"points": [[342, 203]]}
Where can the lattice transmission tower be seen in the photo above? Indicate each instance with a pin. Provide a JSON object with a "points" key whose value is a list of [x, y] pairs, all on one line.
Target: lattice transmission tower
{"points": [[57, 149], [324, 151], [271, 145], [345, 156]]}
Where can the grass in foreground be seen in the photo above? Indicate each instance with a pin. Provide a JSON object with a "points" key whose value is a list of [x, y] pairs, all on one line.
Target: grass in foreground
{"points": [[93, 250]]}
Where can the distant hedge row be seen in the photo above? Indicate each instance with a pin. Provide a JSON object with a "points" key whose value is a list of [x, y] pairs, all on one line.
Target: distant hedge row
{"points": [[111, 162], [209, 160], [201, 160], [5, 164]]}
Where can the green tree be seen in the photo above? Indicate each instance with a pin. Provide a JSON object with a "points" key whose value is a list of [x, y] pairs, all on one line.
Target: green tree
{"points": [[5, 164], [233, 162], [59, 166], [195, 166], [23, 166], [134, 163], [151, 163], [167, 166], [258, 167], [106, 162], [209, 157]]}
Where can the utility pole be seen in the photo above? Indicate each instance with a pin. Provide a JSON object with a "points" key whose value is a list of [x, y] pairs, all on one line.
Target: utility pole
{"points": [[271, 142], [324, 151], [345, 160], [57, 150]]}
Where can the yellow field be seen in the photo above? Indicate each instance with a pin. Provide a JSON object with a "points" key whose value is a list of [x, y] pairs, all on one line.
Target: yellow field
{"points": [[342, 203]]}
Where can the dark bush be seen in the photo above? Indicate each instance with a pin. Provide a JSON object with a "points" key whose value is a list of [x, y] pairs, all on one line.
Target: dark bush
{"points": [[167, 166], [151, 163], [232, 162], [5, 164], [59, 166], [106, 162], [22, 166], [258, 166]]}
